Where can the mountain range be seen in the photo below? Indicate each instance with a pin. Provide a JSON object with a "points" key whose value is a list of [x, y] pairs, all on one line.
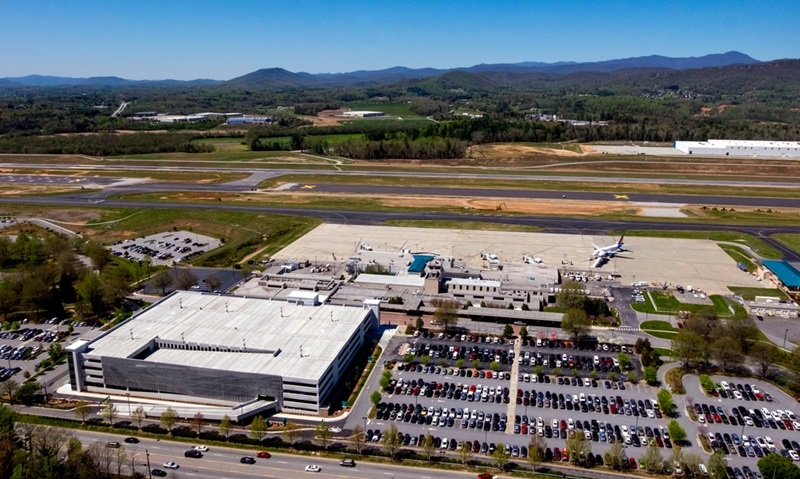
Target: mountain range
{"points": [[490, 74]]}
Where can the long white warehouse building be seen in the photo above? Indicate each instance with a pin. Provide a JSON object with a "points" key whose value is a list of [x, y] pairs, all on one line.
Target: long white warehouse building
{"points": [[770, 149]]}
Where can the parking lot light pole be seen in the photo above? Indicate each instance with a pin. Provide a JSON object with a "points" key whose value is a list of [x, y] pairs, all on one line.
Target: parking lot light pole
{"points": [[784, 337], [149, 471], [128, 395]]}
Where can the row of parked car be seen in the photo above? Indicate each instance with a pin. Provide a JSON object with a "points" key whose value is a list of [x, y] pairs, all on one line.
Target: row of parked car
{"points": [[16, 354], [569, 361], [762, 418], [593, 403], [464, 373], [740, 391], [458, 391], [467, 353]]}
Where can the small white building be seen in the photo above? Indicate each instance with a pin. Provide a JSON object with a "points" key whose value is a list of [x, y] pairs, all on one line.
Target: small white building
{"points": [[303, 298], [362, 114], [769, 149]]}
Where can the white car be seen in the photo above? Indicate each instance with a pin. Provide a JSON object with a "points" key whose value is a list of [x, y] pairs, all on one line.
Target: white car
{"points": [[794, 455], [171, 465], [313, 468], [201, 448]]}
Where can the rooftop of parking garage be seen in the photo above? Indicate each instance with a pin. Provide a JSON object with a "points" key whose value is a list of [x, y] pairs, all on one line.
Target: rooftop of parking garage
{"points": [[236, 334]]}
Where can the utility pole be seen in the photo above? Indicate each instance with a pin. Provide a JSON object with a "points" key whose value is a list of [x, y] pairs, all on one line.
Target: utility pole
{"points": [[149, 471]]}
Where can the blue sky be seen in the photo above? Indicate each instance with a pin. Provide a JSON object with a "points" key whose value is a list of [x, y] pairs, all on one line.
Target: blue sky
{"points": [[185, 39]]}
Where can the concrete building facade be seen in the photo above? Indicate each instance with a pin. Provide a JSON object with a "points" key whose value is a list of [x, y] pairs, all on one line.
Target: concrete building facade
{"points": [[770, 149], [228, 351]]}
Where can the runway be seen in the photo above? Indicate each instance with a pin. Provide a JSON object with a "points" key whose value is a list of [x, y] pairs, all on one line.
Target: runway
{"points": [[710, 200], [553, 224]]}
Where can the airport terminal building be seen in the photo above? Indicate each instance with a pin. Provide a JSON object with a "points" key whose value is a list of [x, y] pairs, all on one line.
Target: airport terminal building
{"points": [[227, 351]]}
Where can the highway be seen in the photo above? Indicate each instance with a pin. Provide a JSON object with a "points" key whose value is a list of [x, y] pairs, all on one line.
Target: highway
{"points": [[223, 463]]}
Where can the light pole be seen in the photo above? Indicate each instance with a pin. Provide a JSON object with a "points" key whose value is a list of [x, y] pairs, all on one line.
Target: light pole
{"points": [[128, 395], [365, 424], [149, 471], [784, 337]]}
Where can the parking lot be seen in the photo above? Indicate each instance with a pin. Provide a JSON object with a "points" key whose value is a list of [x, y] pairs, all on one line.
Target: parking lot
{"points": [[485, 407], [165, 248], [749, 419], [509, 404]]}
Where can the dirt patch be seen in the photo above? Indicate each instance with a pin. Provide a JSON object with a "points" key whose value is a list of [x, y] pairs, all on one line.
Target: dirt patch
{"points": [[532, 206], [34, 190], [524, 151], [326, 118]]}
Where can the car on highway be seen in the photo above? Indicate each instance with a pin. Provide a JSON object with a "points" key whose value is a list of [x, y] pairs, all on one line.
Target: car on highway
{"points": [[171, 465], [347, 463], [158, 473], [263, 455], [113, 444], [193, 453], [132, 440], [247, 460], [201, 448], [313, 468]]}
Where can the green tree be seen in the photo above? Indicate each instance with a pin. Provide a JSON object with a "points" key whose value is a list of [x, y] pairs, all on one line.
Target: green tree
{"points": [[459, 363], [428, 447], [666, 403], [494, 366], [10, 388], [419, 323], [743, 330], [392, 440], [375, 397], [508, 331], [185, 278], [359, 438], [676, 432], [727, 352], [213, 282], [109, 413], [447, 314], [576, 323], [652, 459], [291, 431], [571, 296], [624, 361], [258, 428], [765, 356], [408, 357], [615, 457], [225, 426], [9, 298], [425, 359], [775, 465], [138, 415], [323, 434], [501, 457], [465, 453], [82, 410], [476, 364], [536, 451], [26, 393], [689, 347], [386, 380], [717, 465], [168, 419], [198, 422], [691, 462], [523, 332], [99, 256], [579, 449], [162, 281]]}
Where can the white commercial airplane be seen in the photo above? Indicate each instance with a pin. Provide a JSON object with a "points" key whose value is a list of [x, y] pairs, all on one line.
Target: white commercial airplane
{"points": [[602, 254]]}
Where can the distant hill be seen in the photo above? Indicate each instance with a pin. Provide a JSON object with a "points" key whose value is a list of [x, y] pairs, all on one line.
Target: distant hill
{"points": [[47, 81], [502, 73], [273, 78]]}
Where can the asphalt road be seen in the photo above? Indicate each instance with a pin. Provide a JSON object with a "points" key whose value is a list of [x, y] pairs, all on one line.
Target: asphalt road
{"points": [[709, 200]]}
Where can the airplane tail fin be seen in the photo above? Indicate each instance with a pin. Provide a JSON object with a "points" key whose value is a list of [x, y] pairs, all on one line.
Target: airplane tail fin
{"points": [[621, 240]]}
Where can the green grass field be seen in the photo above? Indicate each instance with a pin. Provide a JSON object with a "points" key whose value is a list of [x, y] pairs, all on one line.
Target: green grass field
{"points": [[658, 326], [789, 240], [740, 256], [666, 303]]}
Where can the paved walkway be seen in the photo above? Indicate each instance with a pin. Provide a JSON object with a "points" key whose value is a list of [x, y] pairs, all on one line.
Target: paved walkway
{"points": [[513, 386]]}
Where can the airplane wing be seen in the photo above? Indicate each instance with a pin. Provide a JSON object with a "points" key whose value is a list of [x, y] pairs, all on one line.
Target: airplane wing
{"points": [[596, 247], [599, 262]]}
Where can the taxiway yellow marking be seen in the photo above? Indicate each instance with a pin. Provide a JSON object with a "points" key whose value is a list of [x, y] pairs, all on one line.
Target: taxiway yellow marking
{"points": [[621, 197], [309, 187]]}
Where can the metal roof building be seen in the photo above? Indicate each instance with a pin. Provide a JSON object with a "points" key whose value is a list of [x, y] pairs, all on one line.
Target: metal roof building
{"points": [[227, 350], [785, 272], [777, 149]]}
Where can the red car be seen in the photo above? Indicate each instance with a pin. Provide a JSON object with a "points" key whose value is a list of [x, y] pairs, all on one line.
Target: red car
{"points": [[632, 461], [263, 454]]}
